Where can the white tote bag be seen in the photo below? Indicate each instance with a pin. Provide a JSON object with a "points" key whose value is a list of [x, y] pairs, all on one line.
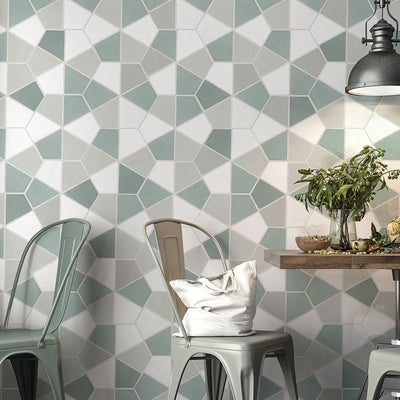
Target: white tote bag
{"points": [[223, 305]]}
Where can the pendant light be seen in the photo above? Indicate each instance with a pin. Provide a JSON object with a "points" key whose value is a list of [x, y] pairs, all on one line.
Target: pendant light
{"points": [[378, 73]]}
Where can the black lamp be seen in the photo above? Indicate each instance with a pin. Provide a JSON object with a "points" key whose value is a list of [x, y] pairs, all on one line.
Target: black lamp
{"points": [[377, 73]]}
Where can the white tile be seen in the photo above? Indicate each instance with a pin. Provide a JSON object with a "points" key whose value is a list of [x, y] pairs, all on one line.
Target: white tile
{"points": [[243, 140], [76, 42], [187, 42], [52, 81], [126, 337], [3, 77], [31, 30], [296, 213], [130, 115], [354, 141], [50, 174], [243, 115], [334, 75], [301, 43], [153, 127], [325, 28], [354, 336], [17, 140], [25, 226], [159, 368], [379, 127], [149, 323], [266, 128], [84, 128], [130, 226], [301, 16], [376, 323], [221, 75], [154, 280], [125, 312], [197, 129], [256, 30], [106, 180], [184, 210], [210, 29], [219, 179], [99, 224], [109, 75], [332, 276], [356, 115], [163, 174], [75, 16], [102, 376], [310, 129], [103, 271], [98, 29], [164, 81], [144, 30], [275, 173], [71, 209], [291, 234], [278, 81], [330, 375], [253, 227], [263, 320], [46, 276], [187, 16], [353, 311], [308, 324], [17, 115], [81, 324], [130, 141], [39, 127]]}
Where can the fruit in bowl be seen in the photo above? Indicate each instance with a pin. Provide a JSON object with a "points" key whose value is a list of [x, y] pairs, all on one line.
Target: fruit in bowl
{"points": [[314, 242]]}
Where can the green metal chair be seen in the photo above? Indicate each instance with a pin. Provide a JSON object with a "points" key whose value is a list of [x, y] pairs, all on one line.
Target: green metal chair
{"points": [[25, 347], [240, 358]]}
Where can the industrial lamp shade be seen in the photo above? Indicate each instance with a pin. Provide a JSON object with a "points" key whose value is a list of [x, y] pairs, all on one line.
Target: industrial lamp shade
{"points": [[377, 73]]}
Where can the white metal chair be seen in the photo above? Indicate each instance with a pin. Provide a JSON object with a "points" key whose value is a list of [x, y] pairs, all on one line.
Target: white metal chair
{"points": [[238, 357]]}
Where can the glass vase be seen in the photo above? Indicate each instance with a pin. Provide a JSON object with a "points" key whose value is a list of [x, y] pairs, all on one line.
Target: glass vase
{"points": [[342, 229]]}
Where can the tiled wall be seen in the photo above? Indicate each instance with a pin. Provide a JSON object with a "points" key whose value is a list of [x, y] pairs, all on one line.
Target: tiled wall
{"points": [[119, 111]]}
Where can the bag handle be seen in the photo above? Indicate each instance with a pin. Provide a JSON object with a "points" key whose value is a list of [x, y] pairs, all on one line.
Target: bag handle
{"points": [[227, 277]]}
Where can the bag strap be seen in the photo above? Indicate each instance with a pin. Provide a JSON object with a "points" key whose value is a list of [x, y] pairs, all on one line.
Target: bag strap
{"points": [[228, 279]]}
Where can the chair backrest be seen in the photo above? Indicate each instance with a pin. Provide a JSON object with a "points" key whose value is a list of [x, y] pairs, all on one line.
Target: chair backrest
{"points": [[168, 233], [73, 234]]}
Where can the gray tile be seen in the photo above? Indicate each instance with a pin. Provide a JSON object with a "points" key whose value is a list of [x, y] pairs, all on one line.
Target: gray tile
{"points": [[126, 246], [110, 10], [102, 311], [244, 50], [244, 75], [278, 15], [19, 51], [164, 108], [223, 10], [18, 76], [275, 214], [132, 75], [330, 311], [153, 61], [319, 355], [164, 16], [52, 16], [312, 62], [199, 63], [186, 174], [73, 148], [207, 160], [49, 211], [322, 158], [186, 149], [384, 303], [94, 160], [274, 303], [28, 161], [105, 205], [86, 63], [335, 10], [91, 355], [107, 115], [267, 61], [126, 271], [52, 108], [41, 61], [218, 205], [254, 161], [277, 108], [220, 116], [161, 209], [142, 161], [298, 148], [132, 51]]}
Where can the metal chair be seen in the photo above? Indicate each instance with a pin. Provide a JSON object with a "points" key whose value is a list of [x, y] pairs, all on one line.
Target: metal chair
{"points": [[25, 347], [238, 357]]}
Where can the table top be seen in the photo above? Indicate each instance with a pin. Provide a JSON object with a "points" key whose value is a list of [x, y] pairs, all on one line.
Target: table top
{"points": [[296, 259]]}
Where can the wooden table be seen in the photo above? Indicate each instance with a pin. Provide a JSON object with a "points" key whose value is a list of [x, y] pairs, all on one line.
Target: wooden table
{"points": [[295, 259]]}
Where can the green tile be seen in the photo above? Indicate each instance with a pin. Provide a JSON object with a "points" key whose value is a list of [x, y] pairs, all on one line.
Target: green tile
{"points": [[50, 146], [296, 280], [358, 10], [365, 292], [151, 193], [222, 48], [193, 389], [74, 107], [335, 48], [96, 95], [279, 43], [132, 10], [196, 194], [30, 96], [163, 147], [138, 292], [274, 238], [331, 336], [186, 81], [129, 181], [104, 336], [109, 48], [28, 292], [75, 305], [80, 389], [220, 141], [143, 96], [322, 95], [245, 10], [127, 206], [160, 343], [209, 95], [165, 43], [276, 148], [104, 244], [242, 181], [353, 377], [19, 10], [241, 207], [333, 141], [187, 107], [107, 140], [297, 304], [147, 388], [3, 46], [92, 290], [314, 4], [211, 249], [268, 388], [16, 180], [53, 42], [319, 291], [264, 194], [75, 82], [200, 4], [153, 3], [16, 206], [39, 192], [300, 108], [85, 193], [309, 388], [300, 82], [391, 144], [264, 4], [125, 376], [256, 96], [88, 4]]}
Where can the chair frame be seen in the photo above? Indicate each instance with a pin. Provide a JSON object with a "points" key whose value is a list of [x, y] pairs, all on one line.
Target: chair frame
{"points": [[25, 359], [226, 355]]}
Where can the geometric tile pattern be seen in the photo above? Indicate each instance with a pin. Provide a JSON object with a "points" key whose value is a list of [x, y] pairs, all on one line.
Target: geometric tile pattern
{"points": [[119, 111]]}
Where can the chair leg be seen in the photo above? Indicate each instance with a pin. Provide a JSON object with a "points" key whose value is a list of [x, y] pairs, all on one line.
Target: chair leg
{"points": [[25, 367], [178, 365], [286, 362], [215, 378], [51, 362], [376, 374]]}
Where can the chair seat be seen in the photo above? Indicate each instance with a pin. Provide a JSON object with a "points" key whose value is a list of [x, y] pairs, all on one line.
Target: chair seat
{"points": [[20, 338], [259, 340]]}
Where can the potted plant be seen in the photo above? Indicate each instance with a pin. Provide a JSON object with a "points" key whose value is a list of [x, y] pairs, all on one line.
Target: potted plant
{"points": [[345, 189]]}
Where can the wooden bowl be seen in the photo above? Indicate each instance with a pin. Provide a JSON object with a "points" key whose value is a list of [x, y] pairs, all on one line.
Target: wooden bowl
{"points": [[310, 243]]}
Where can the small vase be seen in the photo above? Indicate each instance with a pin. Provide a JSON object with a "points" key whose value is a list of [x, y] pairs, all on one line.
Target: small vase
{"points": [[342, 229]]}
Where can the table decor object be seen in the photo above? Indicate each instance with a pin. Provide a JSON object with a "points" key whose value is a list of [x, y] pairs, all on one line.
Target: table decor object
{"points": [[311, 243], [345, 190]]}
